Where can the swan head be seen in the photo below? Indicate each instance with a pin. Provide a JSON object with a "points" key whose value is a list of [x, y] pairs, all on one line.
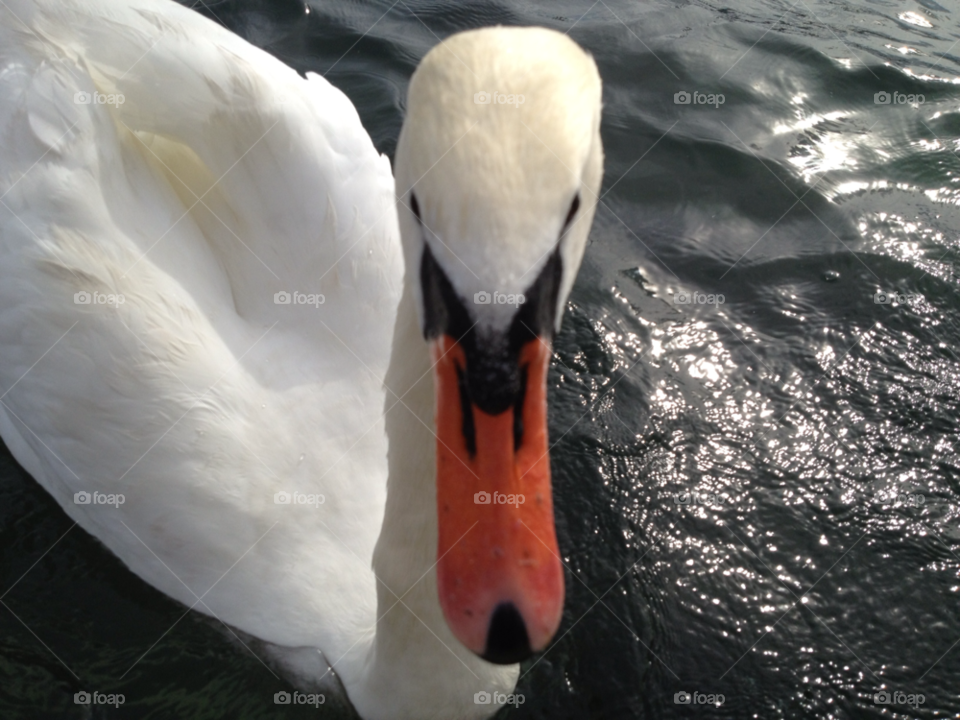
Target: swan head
{"points": [[498, 170]]}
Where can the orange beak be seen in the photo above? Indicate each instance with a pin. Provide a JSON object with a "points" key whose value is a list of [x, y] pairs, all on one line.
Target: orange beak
{"points": [[499, 574]]}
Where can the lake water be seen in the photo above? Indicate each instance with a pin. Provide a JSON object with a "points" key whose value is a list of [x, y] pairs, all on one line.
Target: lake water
{"points": [[758, 490]]}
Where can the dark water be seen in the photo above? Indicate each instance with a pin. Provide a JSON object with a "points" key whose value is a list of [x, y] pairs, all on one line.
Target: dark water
{"points": [[819, 561]]}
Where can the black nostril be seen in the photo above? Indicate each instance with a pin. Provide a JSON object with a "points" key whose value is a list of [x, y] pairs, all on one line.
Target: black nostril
{"points": [[507, 640]]}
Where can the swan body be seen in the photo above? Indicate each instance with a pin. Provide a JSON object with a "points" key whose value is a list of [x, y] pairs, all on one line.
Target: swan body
{"points": [[147, 251]]}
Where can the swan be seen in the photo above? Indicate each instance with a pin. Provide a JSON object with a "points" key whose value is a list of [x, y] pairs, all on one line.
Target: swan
{"points": [[285, 388]]}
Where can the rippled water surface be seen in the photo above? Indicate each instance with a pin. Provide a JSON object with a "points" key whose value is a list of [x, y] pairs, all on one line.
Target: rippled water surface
{"points": [[759, 498]]}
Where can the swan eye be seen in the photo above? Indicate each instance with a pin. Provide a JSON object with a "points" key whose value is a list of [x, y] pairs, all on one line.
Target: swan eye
{"points": [[574, 206], [443, 310], [415, 207]]}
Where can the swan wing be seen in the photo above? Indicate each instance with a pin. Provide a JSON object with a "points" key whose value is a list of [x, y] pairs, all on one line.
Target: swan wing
{"points": [[199, 274]]}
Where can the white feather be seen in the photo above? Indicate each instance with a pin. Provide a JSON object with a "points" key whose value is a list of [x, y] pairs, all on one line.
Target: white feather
{"points": [[221, 179]]}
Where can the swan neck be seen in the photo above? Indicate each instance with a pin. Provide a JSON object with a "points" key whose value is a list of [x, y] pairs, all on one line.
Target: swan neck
{"points": [[414, 654]]}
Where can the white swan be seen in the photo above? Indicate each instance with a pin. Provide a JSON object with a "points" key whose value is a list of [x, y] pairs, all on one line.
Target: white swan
{"points": [[146, 247]]}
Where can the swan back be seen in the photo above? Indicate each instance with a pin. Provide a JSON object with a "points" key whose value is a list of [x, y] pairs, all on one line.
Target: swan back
{"points": [[221, 179]]}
